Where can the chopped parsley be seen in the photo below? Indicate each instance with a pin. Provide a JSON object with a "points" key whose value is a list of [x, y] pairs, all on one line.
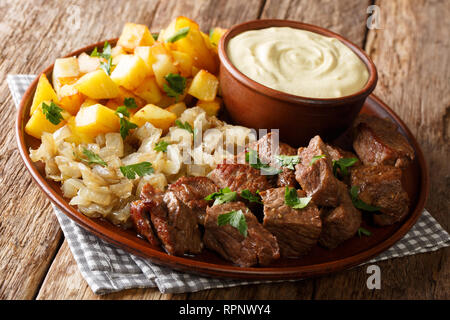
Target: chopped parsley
{"points": [[52, 112], [315, 158], [222, 196], [180, 34], [362, 231], [185, 126], [125, 124], [94, 158], [130, 103], [342, 164], [246, 194], [155, 36], [161, 146], [292, 200], [175, 85], [105, 54], [123, 111], [358, 203], [251, 157], [288, 161], [141, 169], [236, 219]]}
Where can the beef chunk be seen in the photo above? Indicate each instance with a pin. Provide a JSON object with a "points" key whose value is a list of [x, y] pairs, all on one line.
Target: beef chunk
{"points": [[192, 192], [174, 223], [381, 186], [264, 148], [140, 216], [296, 230], [239, 177], [260, 246], [340, 223], [317, 178], [377, 141]]}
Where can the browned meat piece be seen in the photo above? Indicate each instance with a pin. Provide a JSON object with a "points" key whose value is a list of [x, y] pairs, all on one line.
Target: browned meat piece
{"points": [[192, 192], [259, 247], [336, 154], [174, 223], [377, 141], [264, 148], [315, 175], [140, 216], [296, 230], [341, 223], [239, 177], [381, 186]]}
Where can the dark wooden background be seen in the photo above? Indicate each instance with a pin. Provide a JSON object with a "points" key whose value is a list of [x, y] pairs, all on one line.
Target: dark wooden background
{"points": [[410, 49]]}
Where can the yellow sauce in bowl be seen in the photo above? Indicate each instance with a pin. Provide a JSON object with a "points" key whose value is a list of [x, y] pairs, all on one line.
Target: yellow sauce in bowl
{"points": [[298, 62]]}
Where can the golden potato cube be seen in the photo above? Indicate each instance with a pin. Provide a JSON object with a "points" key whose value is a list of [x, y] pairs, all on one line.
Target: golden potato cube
{"points": [[215, 34], [113, 104], [96, 119], [97, 85], [38, 123], [130, 72], [117, 50], [77, 136], [88, 63], [146, 55], [159, 117], [204, 86], [88, 102], [124, 93], [211, 107], [177, 108], [149, 91], [162, 67], [64, 68], [134, 35], [70, 99], [183, 62], [44, 92]]}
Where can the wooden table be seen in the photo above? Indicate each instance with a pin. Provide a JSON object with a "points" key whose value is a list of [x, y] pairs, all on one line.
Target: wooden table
{"points": [[410, 49]]}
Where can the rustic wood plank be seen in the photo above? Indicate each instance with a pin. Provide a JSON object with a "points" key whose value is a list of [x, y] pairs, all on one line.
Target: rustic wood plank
{"points": [[346, 17]]}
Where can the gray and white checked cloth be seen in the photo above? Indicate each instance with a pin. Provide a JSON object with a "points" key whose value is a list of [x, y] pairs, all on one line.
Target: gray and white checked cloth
{"points": [[107, 268]]}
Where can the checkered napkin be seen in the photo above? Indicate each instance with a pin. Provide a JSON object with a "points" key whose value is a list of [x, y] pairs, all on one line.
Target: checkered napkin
{"points": [[108, 269]]}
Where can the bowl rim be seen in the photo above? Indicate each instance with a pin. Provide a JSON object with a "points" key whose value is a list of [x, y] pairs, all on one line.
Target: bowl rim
{"points": [[279, 95]]}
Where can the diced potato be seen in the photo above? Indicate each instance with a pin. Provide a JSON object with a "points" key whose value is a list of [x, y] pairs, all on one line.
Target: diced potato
{"points": [[215, 34], [70, 99], [211, 107], [130, 72], [88, 63], [204, 86], [177, 108], [194, 45], [146, 55], [96, 119], [64, 68], [124, 93], [157, 116], [112, 104], [88, 102], [38, 123], [77, 136], [117, 50], [163, 65], [183, 62], [115, 61], [97, 85], [44, 92], [134, 35], [167, 101], [149, 91]]}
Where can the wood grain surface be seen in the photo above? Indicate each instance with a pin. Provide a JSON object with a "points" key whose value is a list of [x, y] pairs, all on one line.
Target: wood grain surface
{"points": [[411, 51]]}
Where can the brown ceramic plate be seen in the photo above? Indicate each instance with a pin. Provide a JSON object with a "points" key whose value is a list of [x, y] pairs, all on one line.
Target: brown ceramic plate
{"points": [[318, 262]]}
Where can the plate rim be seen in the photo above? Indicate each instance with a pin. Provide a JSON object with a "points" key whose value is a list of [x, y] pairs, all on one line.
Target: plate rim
{"points": [[211, 269]]}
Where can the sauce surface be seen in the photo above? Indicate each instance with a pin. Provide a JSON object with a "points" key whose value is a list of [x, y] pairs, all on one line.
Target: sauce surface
{"points": [[298, 62]]}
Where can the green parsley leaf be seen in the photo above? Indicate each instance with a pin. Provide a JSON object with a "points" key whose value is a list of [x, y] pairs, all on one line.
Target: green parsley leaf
{"points": [[155, 36], [123, 110], [251, 157], [288, 161], [125, 124], [52, 112], [95, 53], [315, 158], [141, 169], [106, 54], [358, 203], [343, 164], [222, 196], [362, 231], [235, 219], [106, 66], [130, 103], [180, 34], [246, 194], [94, 158], [292, 200], [185, 126], [161, 146], [175, 85]]}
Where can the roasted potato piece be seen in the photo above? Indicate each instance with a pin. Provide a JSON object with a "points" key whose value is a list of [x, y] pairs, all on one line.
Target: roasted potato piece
{"points": [[146, 55], [64, 68], [159, 117], [130, 72], [70, 99], [183, 62], [44, 92], [177, 108], [96, 119], [149, 91], [211, 107], [204, 86], [97, 85], [135, 35], [38, 123]]}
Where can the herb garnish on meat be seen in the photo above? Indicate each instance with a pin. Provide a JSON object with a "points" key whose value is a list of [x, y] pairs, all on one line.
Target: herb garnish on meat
{"points": [[292, 200], [288, 161], [362, 231], [235, 219], [251, 157], [222, 196], [358, 203], [246, 194], [343, 164], [315, 158]]}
